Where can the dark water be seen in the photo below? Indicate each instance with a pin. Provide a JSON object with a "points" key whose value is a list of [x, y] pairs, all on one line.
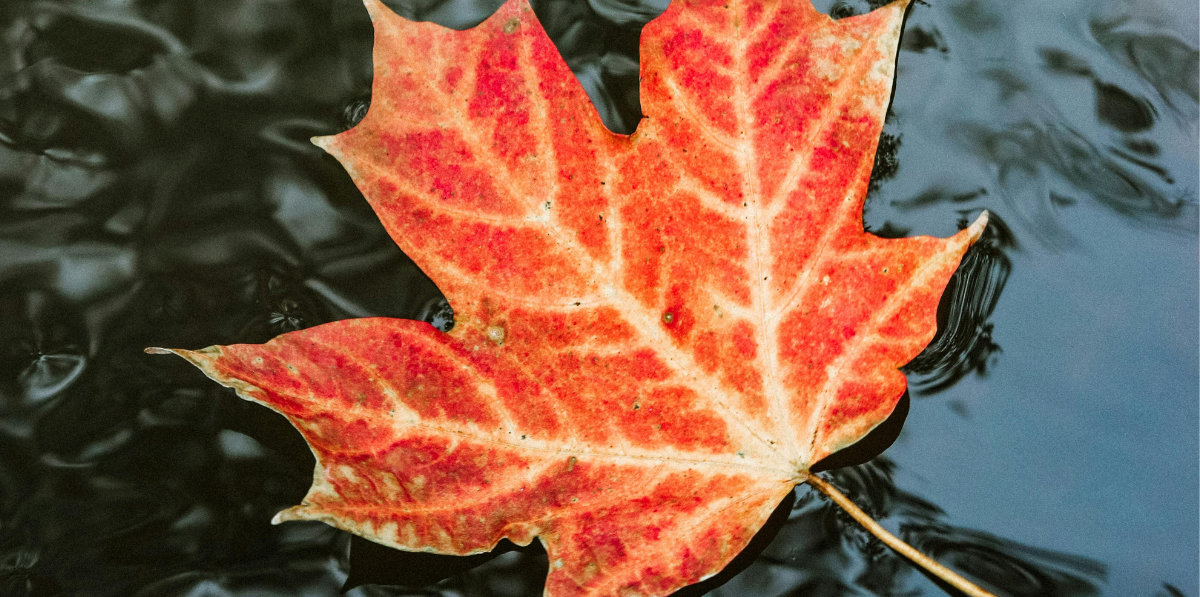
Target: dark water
{"points": [[156, 188]]}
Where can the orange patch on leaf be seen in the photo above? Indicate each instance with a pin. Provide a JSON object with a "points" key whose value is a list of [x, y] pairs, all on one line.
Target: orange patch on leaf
{"points": [[656, 335]]}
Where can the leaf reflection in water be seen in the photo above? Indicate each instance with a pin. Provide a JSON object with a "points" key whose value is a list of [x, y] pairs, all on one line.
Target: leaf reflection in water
{"points": [[964, 344]]}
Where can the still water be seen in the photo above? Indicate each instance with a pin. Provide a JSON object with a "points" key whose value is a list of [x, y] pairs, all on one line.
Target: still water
{"points": [[157, 189]]}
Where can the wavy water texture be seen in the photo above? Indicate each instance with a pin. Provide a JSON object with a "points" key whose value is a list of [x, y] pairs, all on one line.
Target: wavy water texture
{"points": [[1071, 107], [157, 187]]}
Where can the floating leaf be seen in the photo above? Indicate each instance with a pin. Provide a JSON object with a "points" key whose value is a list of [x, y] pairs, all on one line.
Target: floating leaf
{"points": [[657, 335]]}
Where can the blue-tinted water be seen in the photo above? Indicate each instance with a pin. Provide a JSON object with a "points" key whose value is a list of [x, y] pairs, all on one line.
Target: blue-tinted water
{"points": [[157, 188]]}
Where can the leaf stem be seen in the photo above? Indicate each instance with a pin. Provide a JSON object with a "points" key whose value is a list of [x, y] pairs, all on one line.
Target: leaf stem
{"points": [[949, 576]]}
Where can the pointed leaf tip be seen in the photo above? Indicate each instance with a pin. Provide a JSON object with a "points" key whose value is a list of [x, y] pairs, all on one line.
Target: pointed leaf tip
{"points": [[323, 141], [303, 512], [157, 350], [975, 230], [375, 8]]}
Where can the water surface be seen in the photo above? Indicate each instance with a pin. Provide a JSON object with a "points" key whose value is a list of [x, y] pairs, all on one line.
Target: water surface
{"points": [[157, 188]]}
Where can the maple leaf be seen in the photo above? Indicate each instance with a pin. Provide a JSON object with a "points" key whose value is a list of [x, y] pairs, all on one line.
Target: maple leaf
{"points": [[657, 335]]}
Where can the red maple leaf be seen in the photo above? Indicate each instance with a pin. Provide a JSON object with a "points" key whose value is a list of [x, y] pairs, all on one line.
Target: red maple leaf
{"points": [[657, 335]]}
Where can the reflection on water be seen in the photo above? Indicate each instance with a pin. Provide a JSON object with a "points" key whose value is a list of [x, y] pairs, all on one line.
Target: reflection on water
{"points": [[964, 344], [157, 188]]}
